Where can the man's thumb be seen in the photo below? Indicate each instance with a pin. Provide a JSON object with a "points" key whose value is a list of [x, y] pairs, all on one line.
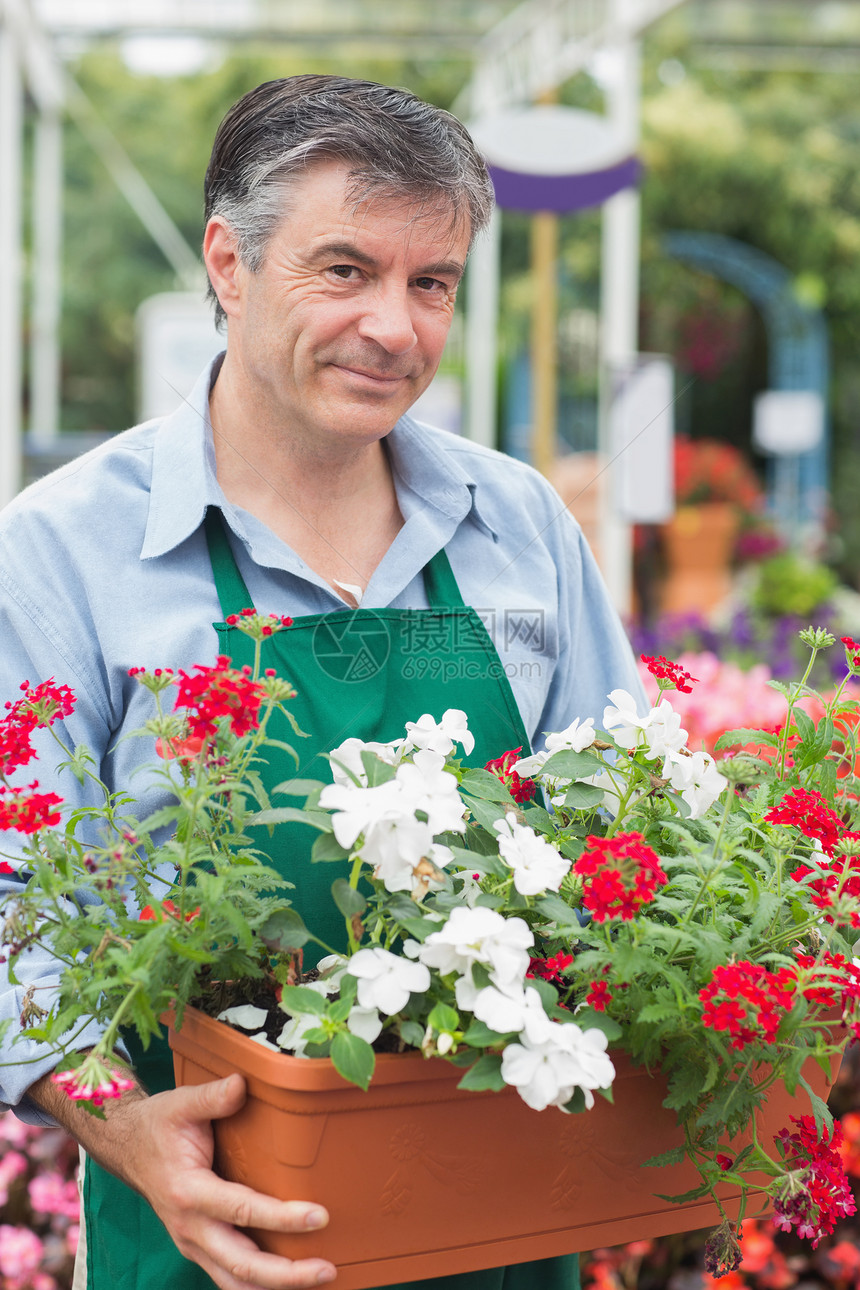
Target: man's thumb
{"points": [[218, 1098]]}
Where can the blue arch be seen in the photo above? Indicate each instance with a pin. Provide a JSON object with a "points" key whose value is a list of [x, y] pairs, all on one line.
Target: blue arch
{"points": [[798, 359]]}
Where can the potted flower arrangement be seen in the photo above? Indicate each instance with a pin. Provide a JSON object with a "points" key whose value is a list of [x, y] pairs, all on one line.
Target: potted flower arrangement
{"points": [[611, 919], [715, 488]]}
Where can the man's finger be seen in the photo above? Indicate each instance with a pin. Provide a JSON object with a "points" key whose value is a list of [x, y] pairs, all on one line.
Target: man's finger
{"points": [[243, 1207], [236, 1263]]}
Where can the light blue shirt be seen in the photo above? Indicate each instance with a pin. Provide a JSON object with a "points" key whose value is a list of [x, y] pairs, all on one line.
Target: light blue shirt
{"points": [[104, 567]]}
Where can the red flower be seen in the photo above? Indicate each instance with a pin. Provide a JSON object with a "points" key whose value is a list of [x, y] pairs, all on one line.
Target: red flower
{"points": [[852, 653], [150, 915], [26, 811], [809, 812], [620, 874], [672, 673], [747, 1001], [838, 987], [599, 995], [219, 691], [725, 1162], [819, 1194], [551, 969], [521, 790], [183, 749]]}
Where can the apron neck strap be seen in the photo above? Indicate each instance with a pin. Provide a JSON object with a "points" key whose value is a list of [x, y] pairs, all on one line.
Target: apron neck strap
{"points": [[439, 581], [229, 583]]}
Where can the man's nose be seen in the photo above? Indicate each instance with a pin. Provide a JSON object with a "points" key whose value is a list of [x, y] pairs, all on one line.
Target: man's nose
{"points": [[387, 319]]}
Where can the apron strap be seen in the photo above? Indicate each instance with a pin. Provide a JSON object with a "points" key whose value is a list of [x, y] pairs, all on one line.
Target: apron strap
{"points": [[440, 584], [229, 583]]}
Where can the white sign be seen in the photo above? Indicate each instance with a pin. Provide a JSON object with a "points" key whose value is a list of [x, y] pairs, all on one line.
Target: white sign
{"points": [[787, 422], [641, 434], [176, 339]]}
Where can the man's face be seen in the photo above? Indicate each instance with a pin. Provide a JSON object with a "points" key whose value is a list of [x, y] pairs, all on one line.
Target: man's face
{"points": [[343, 326]]}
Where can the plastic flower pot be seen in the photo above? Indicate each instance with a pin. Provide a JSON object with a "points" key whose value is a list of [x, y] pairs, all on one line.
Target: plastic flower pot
{"points": [[422, 1179], [699, 541]]}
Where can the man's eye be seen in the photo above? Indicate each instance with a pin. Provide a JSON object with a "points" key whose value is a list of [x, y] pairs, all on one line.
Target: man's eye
{"points": [[343, 270], [430, 284]]}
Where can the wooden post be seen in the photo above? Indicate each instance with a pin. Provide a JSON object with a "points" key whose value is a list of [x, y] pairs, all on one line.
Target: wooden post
{"points": [[544, 338]]}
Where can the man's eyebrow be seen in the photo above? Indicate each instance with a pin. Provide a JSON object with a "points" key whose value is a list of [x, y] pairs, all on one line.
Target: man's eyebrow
{"points": [[348, 251]]}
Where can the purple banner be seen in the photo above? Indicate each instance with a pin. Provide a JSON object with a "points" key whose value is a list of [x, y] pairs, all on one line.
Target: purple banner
{"points": [[561, 193]]}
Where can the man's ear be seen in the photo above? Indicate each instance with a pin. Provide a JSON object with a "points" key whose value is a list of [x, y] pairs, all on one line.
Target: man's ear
{"points": [[221, 257]]}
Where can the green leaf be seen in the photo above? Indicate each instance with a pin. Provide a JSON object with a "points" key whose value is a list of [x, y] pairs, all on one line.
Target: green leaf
{"points": [[486, 813], [820, 1109], [590, 1019], [298, 998], [298, 787], [377, 772], [576, 1105], [479, 1035], [412, 1033], [485, 1074], [581, 797], [559, 911], [284, 930], [732, 738], [327, 847], [673, 1157], [443, 1017], [475, 862], [483, 784], [572, 765], [693, 1194], [349, 901], [287, 815], [353, 1058]]}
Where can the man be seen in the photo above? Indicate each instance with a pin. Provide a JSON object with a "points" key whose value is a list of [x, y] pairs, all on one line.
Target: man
{"points": [[339, 218]]}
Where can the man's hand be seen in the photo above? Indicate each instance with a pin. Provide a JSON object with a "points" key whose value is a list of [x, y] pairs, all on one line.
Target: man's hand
{"points": [[163, 1147]]}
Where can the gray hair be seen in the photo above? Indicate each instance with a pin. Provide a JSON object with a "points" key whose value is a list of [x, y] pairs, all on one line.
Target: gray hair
{"points": [[394, 145]]}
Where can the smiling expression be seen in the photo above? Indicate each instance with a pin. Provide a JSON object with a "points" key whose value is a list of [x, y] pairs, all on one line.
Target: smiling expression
{"points": [[343, 326]]}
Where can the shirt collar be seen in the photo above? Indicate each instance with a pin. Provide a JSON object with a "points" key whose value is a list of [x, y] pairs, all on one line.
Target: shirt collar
{"points": [[185, 483]]}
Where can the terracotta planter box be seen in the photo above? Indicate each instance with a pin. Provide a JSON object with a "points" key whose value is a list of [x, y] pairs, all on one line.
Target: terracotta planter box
{"points": [[424, 1180]]}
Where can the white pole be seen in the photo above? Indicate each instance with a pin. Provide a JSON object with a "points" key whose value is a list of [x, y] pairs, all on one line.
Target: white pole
{"points": [[11, 90], [482, 321], [619, 309], [47, 277]]}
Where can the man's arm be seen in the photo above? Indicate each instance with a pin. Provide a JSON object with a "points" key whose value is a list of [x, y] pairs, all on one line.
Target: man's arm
{"points": [[162, 1147]]}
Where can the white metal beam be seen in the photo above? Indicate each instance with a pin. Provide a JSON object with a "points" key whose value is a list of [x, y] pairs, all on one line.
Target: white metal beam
{"points": [[11, 94]]}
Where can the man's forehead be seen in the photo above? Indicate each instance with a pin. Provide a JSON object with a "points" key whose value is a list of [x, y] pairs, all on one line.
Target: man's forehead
{"points": [[345, 206]]}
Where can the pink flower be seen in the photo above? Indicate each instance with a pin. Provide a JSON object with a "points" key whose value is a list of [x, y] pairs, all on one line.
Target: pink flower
{"points": [[20, 1254], [51, 1193]]}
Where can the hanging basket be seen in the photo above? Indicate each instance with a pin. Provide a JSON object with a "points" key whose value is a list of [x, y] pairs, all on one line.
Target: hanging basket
{"points": [[422, 1179]]}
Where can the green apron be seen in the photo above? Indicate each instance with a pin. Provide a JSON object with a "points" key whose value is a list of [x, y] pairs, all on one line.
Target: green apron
{"points": [[361, 672]]}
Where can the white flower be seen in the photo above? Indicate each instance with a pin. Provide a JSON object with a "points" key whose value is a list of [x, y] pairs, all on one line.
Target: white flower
{"points": [[536, 864], [346, 758], [658, 734], [385, 980], [663, 734], [514, 1012], [364, 1022], [244, 1015], [480, 935], [546, 1072], [263, 1038], [394, 848], [440, 736], [292, 1036], [356, 809], [576, 737], [527, 767], [697, 779], [428, 787], [623, 719]]}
